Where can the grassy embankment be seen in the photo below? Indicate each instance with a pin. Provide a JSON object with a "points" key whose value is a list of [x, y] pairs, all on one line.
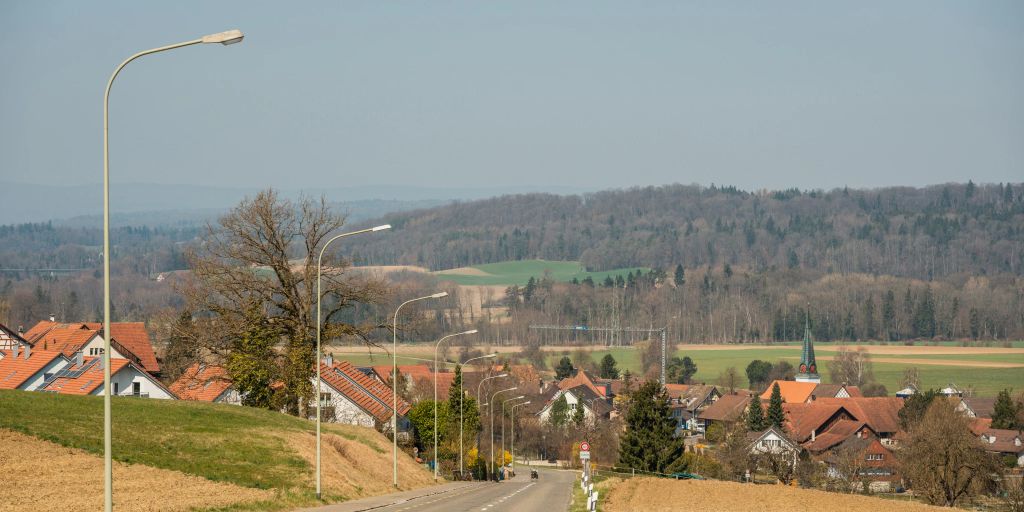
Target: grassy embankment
{"points": [[239, 445], [519, 272]]}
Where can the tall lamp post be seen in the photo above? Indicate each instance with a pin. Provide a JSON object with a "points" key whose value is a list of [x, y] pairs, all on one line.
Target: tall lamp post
{"points": [[225, 38], [394, 382], [462, 413], [436, 348], [513, 408], [503, 424], [319, 399], [491, 413]]}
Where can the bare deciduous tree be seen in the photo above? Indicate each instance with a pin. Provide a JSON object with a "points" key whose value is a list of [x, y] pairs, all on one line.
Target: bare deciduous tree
{"points": [[943, 460], [852, 367], [264, 252]]}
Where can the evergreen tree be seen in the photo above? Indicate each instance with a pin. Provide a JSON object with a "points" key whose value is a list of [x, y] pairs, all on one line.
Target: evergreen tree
{"points": [[564, 369], [608, 282], [1005, 413], [924, 315], [889, 315], [252, 365], [756, 422], [589, 281], [727, 271], [649, 442], [578, 416], [608, 367], [869, 319], [775, 414], [680, 276], [560, 411], [181, 351], [758, 372], [531, 288], [975, 323]]}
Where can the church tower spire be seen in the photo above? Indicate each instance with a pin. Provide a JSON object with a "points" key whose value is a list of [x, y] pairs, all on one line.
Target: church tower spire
{"points": [[808, 366]]}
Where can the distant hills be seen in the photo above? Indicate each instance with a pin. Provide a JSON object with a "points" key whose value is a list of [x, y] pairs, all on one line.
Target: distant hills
{"points": [[182, 205]]}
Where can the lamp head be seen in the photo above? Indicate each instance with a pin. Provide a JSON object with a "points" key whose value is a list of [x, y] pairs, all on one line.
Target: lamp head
{"points": [[438, 295], [381, 228], [225, 38], [471, 331], [501, 375], [488, 356], [520, 397]]}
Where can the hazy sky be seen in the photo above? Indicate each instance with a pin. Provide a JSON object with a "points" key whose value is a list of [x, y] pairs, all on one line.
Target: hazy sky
{"points": [[488, 94]]}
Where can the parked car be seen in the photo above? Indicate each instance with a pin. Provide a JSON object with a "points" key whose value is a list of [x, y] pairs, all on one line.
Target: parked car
{"points": [[533, 474]]}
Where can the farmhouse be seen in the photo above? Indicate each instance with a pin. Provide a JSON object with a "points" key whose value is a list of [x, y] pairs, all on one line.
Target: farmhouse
{"points": [[688, 401], [9, 339], [773, 441], [1004, 442], [804, 392], [206, 383], [727, 410]]}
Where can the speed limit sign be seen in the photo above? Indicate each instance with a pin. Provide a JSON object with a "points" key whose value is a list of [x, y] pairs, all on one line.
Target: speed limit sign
{"points": [[584, 446]]}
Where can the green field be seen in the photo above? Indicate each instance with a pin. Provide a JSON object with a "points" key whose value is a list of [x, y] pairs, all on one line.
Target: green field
{"points": [[519, 272], [710, 363]]}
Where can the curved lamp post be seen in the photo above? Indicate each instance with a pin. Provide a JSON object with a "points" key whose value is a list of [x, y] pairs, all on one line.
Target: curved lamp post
{"points": [[491, 413], [513, 409], [436, 348], [506, 400], [462, 413], [319, 399], [394, 382], [225, 38]]}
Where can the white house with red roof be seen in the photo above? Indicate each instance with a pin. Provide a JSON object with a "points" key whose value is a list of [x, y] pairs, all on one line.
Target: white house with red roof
{"points": [[26, 369], [129, 341], [350, 396], [85, 377], [206, 383]]}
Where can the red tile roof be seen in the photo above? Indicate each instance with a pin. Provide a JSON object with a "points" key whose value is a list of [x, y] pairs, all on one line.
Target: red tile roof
{"points": [[727, 408], [1003, 441], [836, 433], [880, 413], [581, 379], [202, 382], [444, 383], [14, 371], [802, 419], [369, 394], [134, 337], [383, 371], [70, 338], [89, 380], [792, 392]]}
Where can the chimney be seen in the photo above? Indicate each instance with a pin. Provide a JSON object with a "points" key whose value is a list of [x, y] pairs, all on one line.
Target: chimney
{"points": [[21, 330], [53, 318], [28, 351], [14, 351], [78, 358], [329, 360], [812, 436]]}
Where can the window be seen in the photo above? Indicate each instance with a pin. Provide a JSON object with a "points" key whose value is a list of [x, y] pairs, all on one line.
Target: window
{"points": [[136, 388], [115, 387]]}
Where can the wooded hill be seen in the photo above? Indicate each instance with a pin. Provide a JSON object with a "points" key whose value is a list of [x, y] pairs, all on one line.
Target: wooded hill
{"points": [[912, 232]]}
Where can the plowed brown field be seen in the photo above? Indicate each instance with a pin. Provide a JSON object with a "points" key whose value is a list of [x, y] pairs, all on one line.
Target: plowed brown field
{"points": [[657, 495]]}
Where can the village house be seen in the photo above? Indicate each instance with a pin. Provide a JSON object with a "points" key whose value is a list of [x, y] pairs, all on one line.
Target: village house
{"points": [[794, 392], [206, 383], [350, 396], [85, 377], [129, 341], [687, 401], [595, 406], [26, 369], [1005, 443], [728, 409], [9, 339], [773, 441]]}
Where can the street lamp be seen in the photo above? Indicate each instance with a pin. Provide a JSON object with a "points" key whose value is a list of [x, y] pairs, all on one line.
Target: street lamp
{"points": [[394, 382], [462, 413], [520, 397], [225, 38], [319, 267], [513, 409], [491, 413], [436, 348]]}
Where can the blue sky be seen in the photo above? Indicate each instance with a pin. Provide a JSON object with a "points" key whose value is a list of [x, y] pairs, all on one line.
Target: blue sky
{"points": [[486, 94]]}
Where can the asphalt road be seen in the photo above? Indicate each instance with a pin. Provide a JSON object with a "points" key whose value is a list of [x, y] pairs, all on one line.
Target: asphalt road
{"points": [[550, 493]]}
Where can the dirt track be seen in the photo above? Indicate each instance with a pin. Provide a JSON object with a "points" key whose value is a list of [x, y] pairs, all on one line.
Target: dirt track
{"points": [[657, 495], [40, 475]]}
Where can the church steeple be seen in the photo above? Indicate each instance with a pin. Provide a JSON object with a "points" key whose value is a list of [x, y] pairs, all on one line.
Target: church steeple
{"points": [[808, 371]]}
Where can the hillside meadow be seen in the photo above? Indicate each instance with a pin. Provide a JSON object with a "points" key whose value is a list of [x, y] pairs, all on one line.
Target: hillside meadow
{"points": [[242, 447], [518, 273]]}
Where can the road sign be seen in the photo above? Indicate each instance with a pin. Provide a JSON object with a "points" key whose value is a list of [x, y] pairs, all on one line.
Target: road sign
{"points": [[584, 455], [584, 446]]}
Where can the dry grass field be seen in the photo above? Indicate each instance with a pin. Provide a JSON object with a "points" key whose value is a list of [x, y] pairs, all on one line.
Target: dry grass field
{"points": [[46, 476], [661, 495]]}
